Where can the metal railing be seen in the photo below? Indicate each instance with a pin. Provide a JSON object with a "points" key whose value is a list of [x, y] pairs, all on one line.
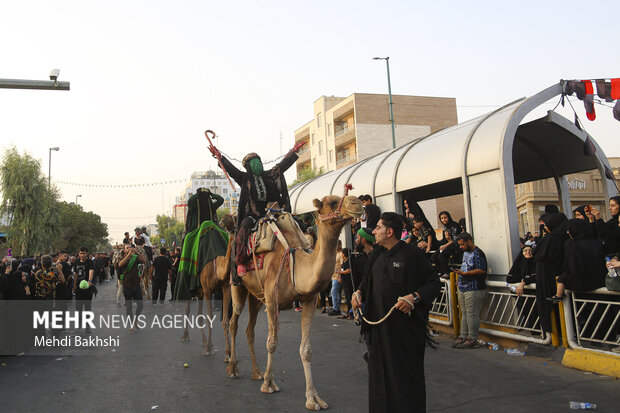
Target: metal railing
{"points": [[593, 319], [516, 317], [589, 320], [344, 159], [344, 129], [441, 309]]}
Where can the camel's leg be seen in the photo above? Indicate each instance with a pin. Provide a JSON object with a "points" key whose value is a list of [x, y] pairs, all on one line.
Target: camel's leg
{"points": [[207, 342], [313, 401], [269, 386], [185, 336], [239, 295], [201, 312], [254, 306], [225, 320]]}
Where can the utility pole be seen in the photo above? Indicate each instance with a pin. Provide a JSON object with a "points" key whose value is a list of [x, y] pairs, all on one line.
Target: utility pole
{"points": [[387, 62]]}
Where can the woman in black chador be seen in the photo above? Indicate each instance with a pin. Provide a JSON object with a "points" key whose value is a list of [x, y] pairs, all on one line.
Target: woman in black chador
{"points": [[549, 261], [585, 260]]}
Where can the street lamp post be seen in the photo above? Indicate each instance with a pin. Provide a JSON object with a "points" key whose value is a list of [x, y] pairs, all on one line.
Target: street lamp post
{"points": [[387, 62], [76, 197], [49, 176]]}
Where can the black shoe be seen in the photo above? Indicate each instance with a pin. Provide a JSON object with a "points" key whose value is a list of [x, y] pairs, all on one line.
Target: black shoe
{"points": [[555, 299], [334, 312]]}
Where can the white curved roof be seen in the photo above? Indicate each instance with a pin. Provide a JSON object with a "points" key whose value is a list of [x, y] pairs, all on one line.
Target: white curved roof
{"points": [[476, 146]]}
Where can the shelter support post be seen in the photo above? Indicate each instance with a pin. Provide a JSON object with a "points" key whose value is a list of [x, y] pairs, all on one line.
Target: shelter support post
{"points": [[456, 320]]}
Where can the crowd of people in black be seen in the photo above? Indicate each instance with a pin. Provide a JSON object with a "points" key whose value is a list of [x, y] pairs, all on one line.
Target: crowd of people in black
{"points": [[62, 278]]}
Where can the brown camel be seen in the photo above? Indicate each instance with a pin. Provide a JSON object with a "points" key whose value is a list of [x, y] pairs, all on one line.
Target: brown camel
{"points": [[213, 276], [273, 285]]}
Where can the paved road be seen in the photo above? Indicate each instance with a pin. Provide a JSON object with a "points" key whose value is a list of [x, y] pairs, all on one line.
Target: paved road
{"points": [[147, 370]]}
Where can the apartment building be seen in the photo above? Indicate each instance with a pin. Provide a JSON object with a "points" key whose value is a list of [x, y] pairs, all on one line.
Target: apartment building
{"points": [[347, 130], [214, 181]]}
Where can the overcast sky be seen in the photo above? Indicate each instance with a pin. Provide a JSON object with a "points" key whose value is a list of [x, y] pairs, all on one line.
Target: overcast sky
{"points": [[148, 77]]}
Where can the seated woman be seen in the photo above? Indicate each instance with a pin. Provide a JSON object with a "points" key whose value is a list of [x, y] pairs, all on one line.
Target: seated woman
{"points": [[585, 260], [424, 238], [523, 270], [448, 245]]}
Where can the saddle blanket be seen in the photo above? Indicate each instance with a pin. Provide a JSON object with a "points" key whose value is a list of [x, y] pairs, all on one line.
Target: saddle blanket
{"points": [[243, 269]]}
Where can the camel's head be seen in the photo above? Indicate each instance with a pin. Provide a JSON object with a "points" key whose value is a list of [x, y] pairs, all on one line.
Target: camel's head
{"points": [[228, 222], [340, 209]]}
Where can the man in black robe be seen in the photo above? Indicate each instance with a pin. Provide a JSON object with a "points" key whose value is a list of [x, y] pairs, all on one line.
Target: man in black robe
{"points": [[396, 346], [258, 189]]}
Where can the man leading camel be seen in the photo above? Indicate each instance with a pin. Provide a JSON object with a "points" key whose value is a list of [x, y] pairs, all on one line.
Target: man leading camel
{"points": [[396, 346], [258, 189]]}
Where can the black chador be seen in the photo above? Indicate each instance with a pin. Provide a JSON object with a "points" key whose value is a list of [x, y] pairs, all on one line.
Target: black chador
{"points": [[549, 264]]}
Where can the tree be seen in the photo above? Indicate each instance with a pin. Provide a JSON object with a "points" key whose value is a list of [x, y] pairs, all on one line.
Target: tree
{"points": [[306, 174], [77, 228], [170, 230], [221, 212], [31, 208]]}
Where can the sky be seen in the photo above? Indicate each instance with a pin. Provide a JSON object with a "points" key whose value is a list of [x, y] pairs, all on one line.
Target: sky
{"points": [[149, 77]]}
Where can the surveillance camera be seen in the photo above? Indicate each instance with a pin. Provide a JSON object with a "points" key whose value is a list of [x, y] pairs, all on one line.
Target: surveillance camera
{"points": [[54, 74]]}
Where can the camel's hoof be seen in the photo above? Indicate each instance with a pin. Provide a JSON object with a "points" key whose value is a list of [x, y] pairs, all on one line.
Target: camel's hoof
{"points": [[184, 339], [207, 352], [269, 386], [227, 358], [316, 403], [232, 371], [257, 375]]}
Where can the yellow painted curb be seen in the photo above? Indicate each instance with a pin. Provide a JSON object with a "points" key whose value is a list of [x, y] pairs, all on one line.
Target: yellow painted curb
{"points": [[593, 361]]}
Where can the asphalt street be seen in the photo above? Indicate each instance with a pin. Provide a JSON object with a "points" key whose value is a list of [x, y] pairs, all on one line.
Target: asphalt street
{"points": [[146, 373]]}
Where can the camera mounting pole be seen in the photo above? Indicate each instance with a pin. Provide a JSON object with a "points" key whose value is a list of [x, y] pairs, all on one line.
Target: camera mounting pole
{"points": [[33, 84]]}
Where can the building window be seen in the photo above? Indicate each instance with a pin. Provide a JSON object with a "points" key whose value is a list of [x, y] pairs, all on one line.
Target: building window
{"points": [[320, 147], [312, 138], [329, 129], [314, 164], [225, 190], [331, 156], [319, 120]]}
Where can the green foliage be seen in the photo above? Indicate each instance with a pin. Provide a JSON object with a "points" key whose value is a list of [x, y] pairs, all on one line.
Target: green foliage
{"points": [[38, 222], [32, 209], [170, 230], [306, 174], [221, 212], [78, 228]]}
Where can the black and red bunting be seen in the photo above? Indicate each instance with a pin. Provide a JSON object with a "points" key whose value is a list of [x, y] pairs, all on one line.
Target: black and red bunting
{"points": [[606, 89]]}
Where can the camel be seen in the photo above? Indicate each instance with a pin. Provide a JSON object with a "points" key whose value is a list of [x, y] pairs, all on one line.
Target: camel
{"points": [[273, 285]]}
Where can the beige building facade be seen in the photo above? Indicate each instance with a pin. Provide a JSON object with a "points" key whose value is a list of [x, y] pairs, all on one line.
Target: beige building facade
{"points": [[347, 130]]}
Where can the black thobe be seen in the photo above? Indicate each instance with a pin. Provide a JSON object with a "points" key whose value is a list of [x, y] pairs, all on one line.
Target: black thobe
{"points": [[273, 180], [396, 346]]}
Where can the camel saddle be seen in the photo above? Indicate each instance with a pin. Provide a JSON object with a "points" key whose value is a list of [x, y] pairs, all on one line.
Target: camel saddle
{"points": [[263, 240]]}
